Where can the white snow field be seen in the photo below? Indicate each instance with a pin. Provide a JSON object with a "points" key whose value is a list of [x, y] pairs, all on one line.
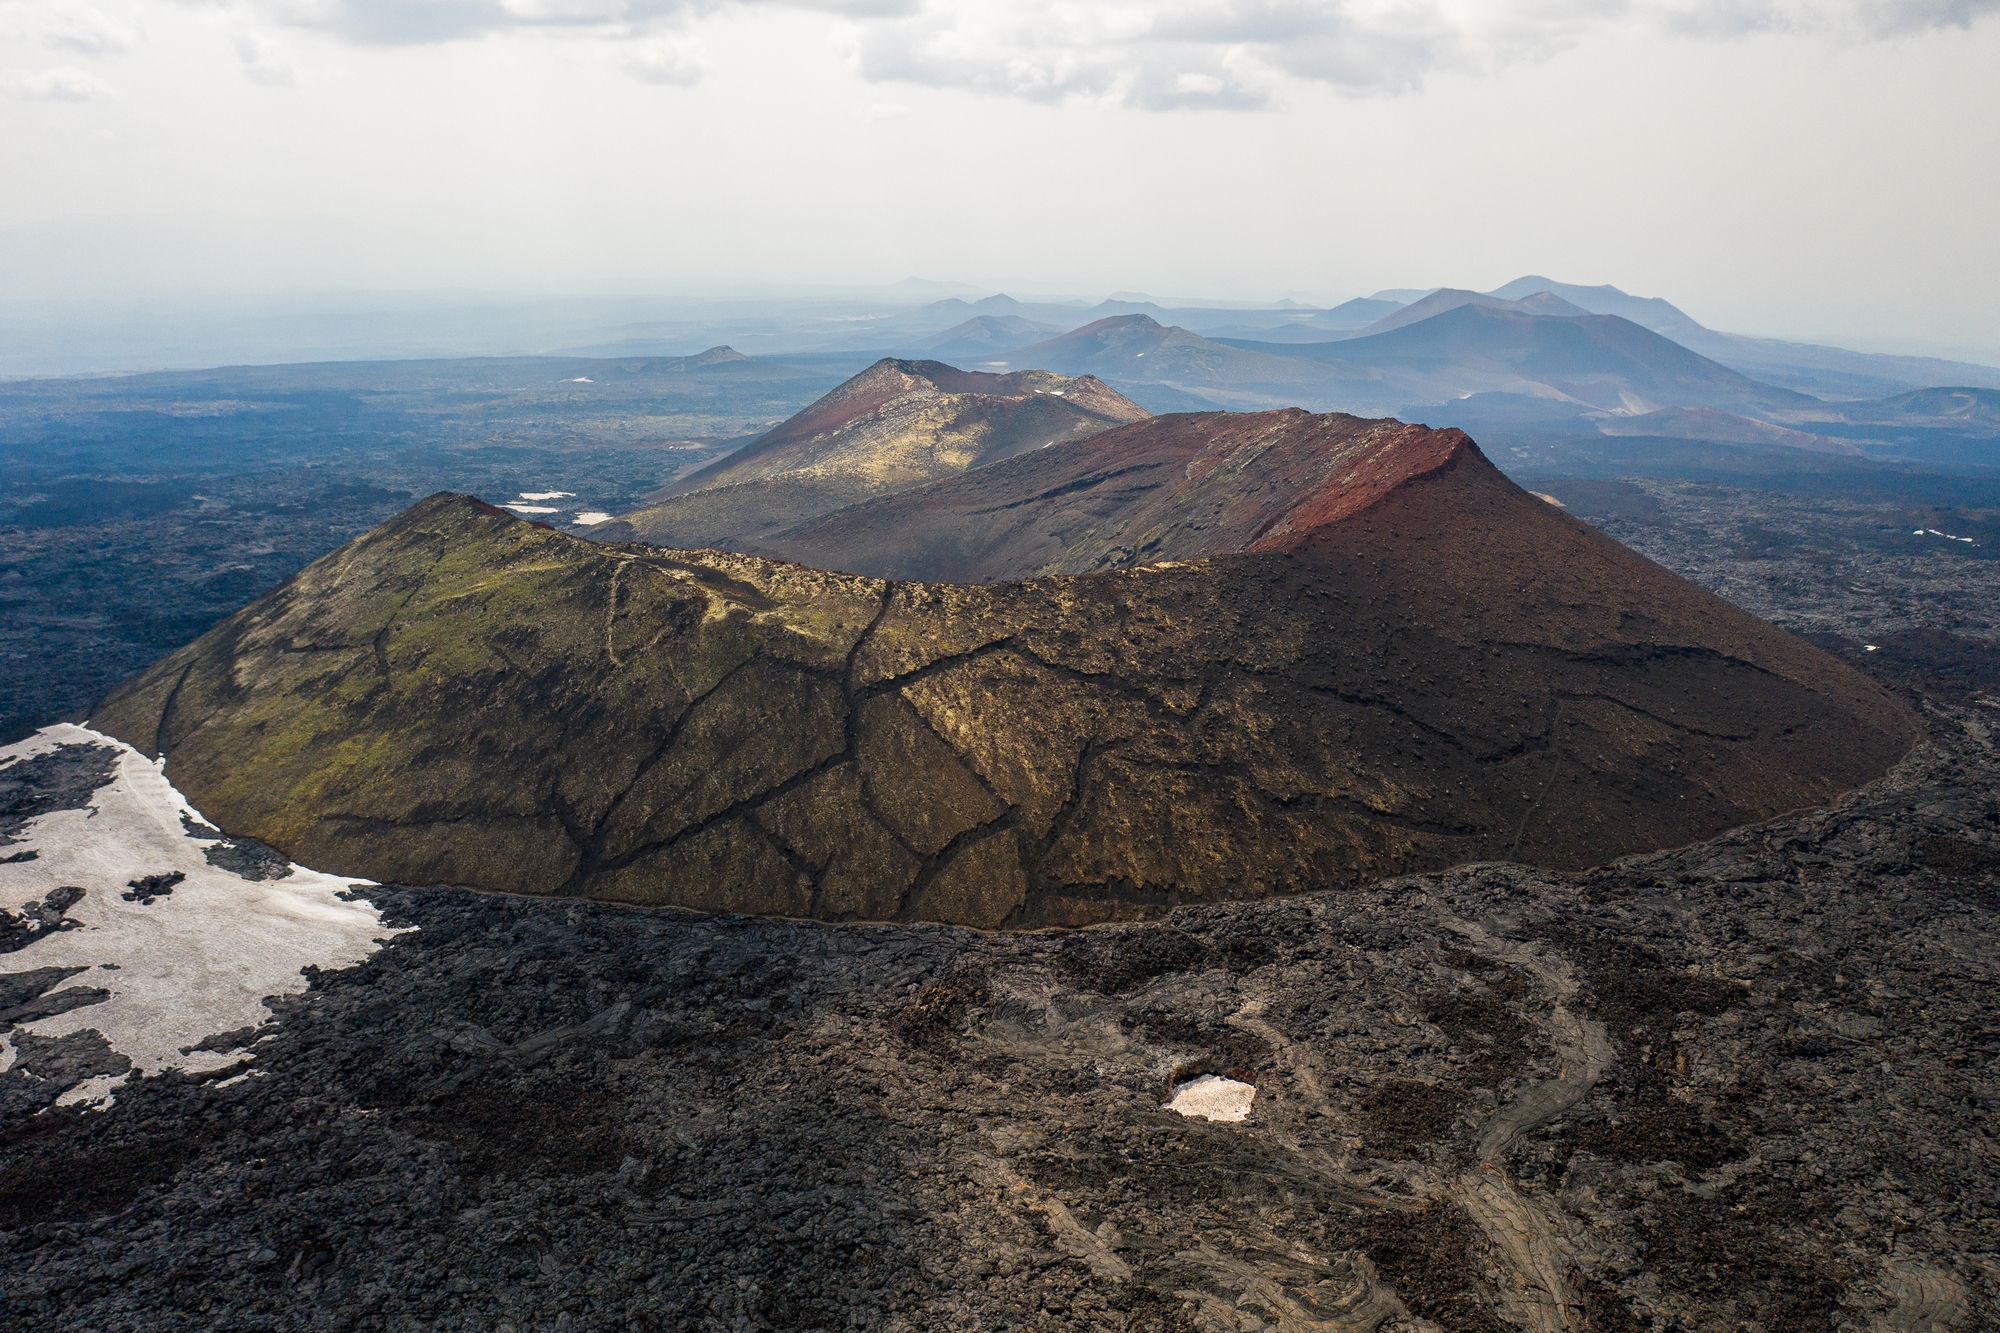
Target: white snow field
{"points": [[195, 961], [1213, 1097]]}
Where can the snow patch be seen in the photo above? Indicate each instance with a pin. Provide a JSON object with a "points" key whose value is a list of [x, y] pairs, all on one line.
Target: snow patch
{"points": [[1871, 647], [548, 495], [1950, 537], [590, 518], [583, 379], [1213, 1097], [180, 967], [530, 509]]}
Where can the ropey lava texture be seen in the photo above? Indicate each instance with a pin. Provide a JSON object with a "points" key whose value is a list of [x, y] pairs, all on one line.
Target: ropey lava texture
{"points": [[1381, 657]]}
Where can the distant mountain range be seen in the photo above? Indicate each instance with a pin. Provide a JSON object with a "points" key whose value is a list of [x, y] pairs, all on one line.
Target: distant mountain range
{"points": [[1447, 299], [1598, 361], [1804, 367], [1467, 344], [1649, 312], [1137, 350], [1533, 351], [987, 335]]}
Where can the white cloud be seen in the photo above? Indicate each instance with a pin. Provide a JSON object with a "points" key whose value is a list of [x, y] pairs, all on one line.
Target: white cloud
{"points": [[88, 32], [263, 65], [416, 22], [675, 61], [1170, 54], [1228, 53], [63, 83]]}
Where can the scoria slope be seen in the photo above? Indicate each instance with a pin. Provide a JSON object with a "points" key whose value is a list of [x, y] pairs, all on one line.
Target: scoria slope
{"points": [[1173, 487], [895, 425], [1408, 663]]}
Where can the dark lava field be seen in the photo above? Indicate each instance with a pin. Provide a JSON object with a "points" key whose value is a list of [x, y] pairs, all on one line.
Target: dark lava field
{"points": [[1748, 1084]]}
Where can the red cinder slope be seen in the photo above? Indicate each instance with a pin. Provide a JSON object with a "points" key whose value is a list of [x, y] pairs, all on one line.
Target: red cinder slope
{"points": [[1173, 487]]}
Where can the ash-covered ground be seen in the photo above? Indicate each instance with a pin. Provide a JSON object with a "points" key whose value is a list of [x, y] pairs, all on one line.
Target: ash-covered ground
{"points": [[1749, 1084]]}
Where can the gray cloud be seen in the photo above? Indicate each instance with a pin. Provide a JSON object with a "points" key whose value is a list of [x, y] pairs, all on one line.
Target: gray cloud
{"points": [[1851, 18], [263, 65], [63, 83], [1167, 55], [915, 56], [1227, 53], [88, 32], [668, 60], [1195, 90], [422, 22]]}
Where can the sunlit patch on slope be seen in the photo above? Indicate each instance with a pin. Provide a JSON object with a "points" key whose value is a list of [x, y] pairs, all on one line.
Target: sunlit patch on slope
{"points": [[121, 923]]}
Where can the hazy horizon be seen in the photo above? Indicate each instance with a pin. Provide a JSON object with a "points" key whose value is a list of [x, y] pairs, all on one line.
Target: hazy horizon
{"points": [[190, 159]]}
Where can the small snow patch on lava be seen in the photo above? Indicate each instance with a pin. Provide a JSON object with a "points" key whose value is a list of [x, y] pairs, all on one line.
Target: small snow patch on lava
{"points": [[1213, 1097]]}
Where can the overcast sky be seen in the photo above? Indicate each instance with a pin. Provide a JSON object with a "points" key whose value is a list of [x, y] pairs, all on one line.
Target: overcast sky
{"points": [[1786, 166]]}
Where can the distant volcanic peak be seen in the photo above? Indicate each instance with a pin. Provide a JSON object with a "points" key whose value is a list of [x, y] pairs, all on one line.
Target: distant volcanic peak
{"points": [[893, 379], [1136, 321], [900, 423], [882, 383], [440, 503], [1449, 300], [992, 333], [465, 515], [1652, 312], [1114, 335], [1548, 303]]}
